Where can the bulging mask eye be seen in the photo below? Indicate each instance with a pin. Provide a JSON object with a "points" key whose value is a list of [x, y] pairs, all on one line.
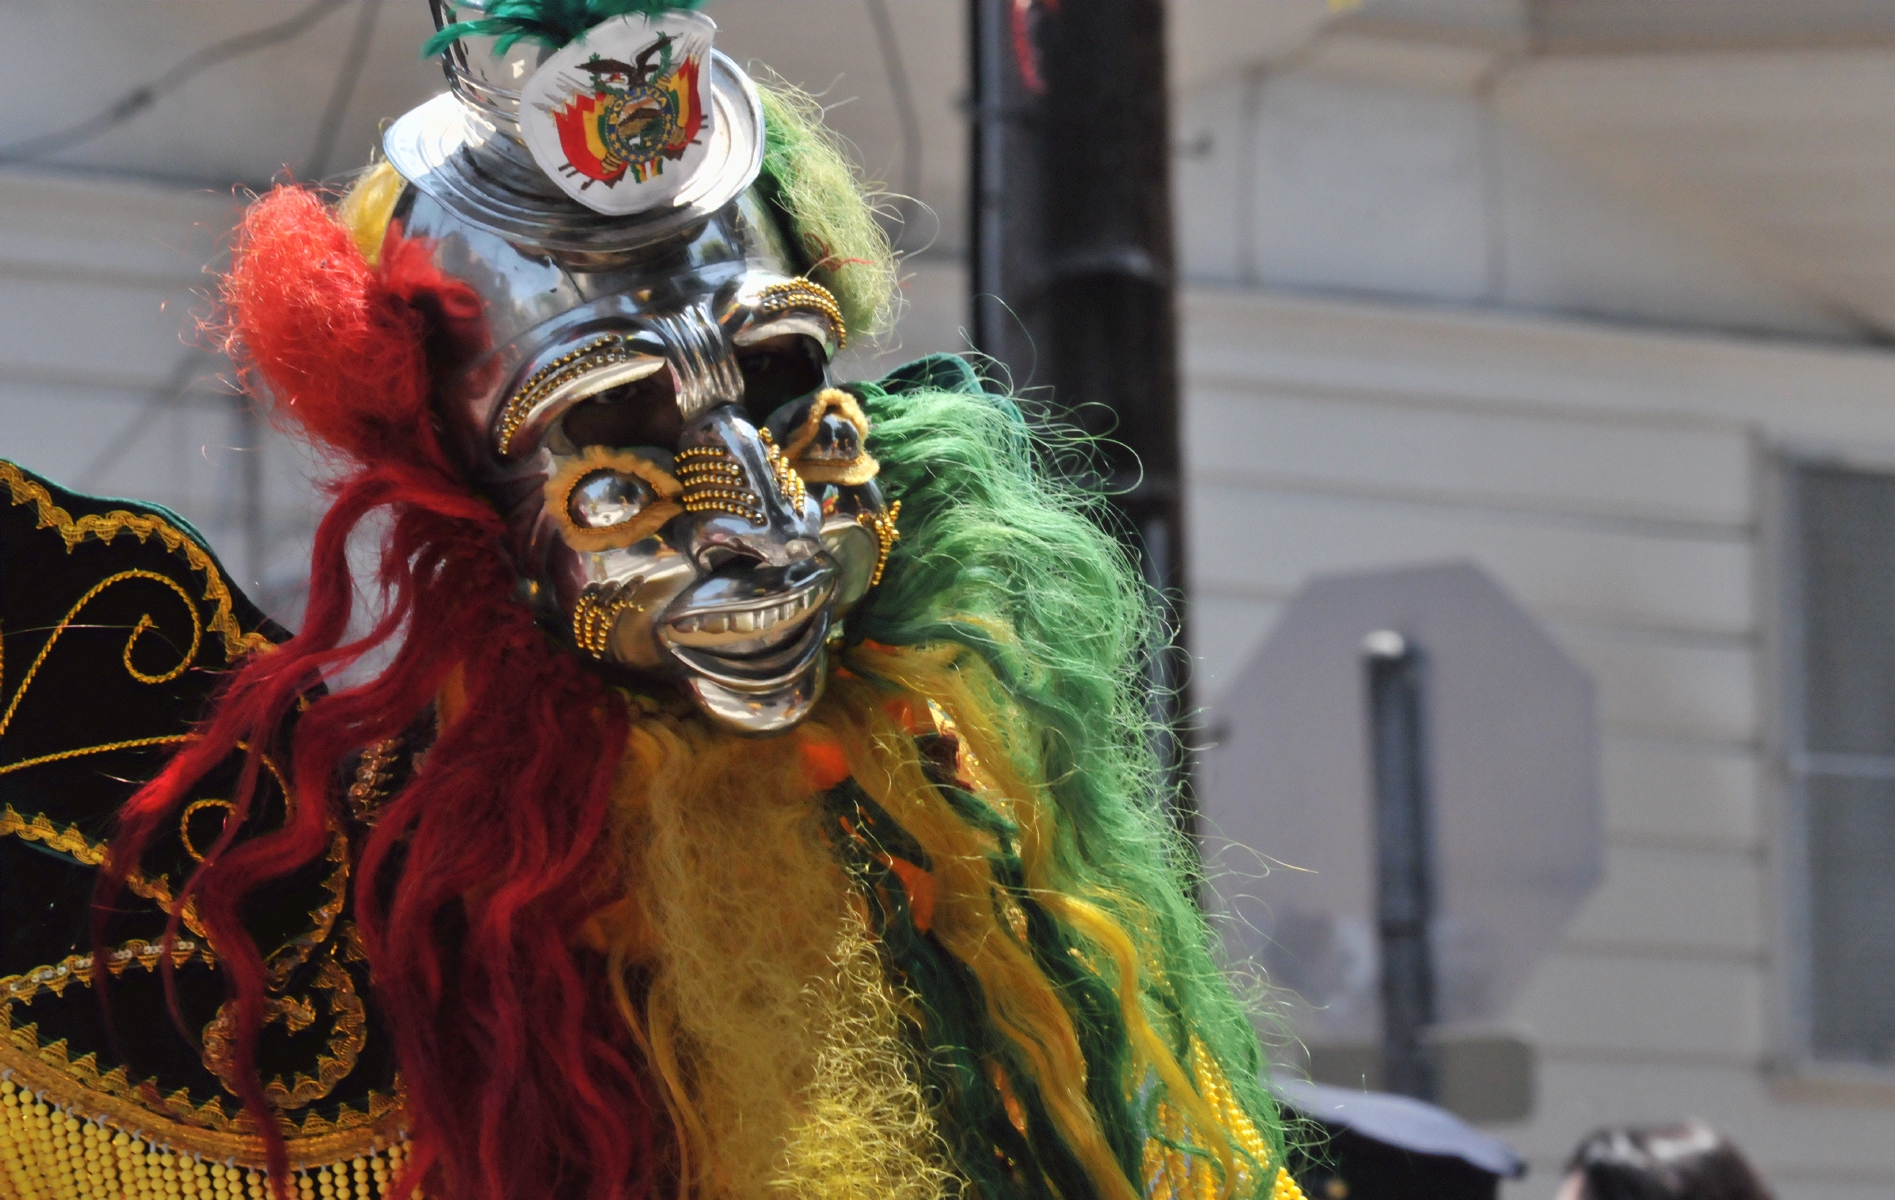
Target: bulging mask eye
{"points": [[608, 499], [643, 412], [778, 370]]}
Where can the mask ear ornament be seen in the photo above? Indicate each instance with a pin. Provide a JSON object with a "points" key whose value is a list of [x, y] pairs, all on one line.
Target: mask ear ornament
{"points": [[610, 499], [827, 446]]}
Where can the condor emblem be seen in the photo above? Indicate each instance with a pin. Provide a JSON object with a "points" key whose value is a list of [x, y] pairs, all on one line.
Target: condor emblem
{"points": [[621, 118]]}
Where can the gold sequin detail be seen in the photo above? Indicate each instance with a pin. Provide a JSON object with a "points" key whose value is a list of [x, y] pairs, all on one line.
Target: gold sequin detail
{"points": [[803, 293], [372, 776], [112, 1097], [348, 1018]]}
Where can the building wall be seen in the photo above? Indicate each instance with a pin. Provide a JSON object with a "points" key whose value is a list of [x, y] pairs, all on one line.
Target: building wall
{"points": [[1616, 483], [109, 385]]}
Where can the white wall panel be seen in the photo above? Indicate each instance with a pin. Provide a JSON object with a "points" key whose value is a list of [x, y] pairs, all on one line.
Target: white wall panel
{"points": [[81, 331], [1651, 687], [1661, 1006], [1681, 794], [1270, 542], [1681, 901], [1522, 460]]}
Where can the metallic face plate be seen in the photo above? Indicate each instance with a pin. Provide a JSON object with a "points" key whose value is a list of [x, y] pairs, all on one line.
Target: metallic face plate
{"points": [[688, 500]]}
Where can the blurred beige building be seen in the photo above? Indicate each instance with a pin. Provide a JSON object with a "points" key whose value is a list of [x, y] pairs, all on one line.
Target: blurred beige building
{"points": [[1597, 294]]}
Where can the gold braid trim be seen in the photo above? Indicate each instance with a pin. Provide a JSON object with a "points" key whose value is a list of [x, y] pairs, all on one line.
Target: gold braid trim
{"points": [[143, 526], [137, 1108], [144, 623], [76, 845], [348, 1037]]}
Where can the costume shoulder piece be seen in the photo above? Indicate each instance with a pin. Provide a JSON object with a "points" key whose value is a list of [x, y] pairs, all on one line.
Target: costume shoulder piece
{"points": [[116, 626]]}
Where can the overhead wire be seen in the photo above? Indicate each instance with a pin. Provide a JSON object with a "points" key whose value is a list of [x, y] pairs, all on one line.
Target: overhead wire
{"points": [[142, 97], [902, 91], [343, 92], [186, 373]]}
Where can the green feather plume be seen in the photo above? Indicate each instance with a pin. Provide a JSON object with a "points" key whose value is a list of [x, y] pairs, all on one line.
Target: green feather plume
{"points": [[550, 22]]}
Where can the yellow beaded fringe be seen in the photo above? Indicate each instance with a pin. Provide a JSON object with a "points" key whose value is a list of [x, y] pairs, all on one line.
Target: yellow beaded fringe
{"points": [[1172, 1173], [50, 1153]]}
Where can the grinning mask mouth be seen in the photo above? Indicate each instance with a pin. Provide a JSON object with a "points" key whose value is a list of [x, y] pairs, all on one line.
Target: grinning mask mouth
{"points": [[688, 497], [709, 510], [689, 500]]}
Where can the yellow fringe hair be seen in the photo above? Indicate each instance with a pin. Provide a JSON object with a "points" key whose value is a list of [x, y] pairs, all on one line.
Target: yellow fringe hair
{"points": [[760, 989]]}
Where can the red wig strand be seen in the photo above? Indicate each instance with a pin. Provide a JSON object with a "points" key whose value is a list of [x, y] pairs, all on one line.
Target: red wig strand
{"points": [[473, 884]]}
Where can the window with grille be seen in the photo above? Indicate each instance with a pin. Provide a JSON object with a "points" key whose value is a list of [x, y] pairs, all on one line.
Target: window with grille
{"points": [[1842, 757]]}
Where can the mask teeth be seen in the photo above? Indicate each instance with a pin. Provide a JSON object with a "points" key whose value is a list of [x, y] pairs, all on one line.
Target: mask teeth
{"points": [[715, 482]]}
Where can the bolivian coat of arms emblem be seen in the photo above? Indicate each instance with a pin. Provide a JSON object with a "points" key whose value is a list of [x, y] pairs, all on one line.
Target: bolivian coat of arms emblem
{"points": [[621, 119]]}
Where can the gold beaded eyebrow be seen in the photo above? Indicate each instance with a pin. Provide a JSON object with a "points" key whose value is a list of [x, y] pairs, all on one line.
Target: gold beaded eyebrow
{"points": [[800, 293]]}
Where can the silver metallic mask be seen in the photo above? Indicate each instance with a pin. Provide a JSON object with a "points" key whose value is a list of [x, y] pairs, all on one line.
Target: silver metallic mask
{"points": [[688, 497]]}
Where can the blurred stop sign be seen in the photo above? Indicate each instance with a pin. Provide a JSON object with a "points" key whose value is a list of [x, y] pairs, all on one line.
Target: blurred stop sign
{"points": [[1511, 750]]}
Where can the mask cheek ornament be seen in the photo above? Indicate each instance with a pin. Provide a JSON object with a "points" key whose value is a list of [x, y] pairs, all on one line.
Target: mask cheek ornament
{"points": [[715, 545]]}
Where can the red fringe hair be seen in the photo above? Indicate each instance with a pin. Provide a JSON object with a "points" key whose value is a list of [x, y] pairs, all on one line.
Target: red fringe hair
{"points": [[473, 885]]}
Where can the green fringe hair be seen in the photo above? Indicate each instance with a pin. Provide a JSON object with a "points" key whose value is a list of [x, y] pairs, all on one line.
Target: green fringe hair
{"points": [[809, 178], [992, 538], [551, 23]]}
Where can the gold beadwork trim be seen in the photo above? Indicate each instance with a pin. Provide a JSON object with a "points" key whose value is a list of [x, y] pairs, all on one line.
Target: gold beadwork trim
{"points": [[647, 521], [316, 1144], [49, 1151], [1175, 1167], [882, 525], [777, 298], [788, 483], [858, 470], [714, 481], [599, 352], [594, 615], [107, 526]]}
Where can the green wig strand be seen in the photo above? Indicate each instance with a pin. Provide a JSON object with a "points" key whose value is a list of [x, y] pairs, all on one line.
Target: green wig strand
{"points": [[551, 23], [810, 180], [993, 540]]}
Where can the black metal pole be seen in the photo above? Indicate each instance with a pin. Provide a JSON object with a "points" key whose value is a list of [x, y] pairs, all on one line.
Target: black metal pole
{"points": [[1072, 270], [1404, 877]]}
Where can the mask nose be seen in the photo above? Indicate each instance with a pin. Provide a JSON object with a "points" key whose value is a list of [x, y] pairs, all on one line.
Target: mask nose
{"points": [[742, 499]]}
